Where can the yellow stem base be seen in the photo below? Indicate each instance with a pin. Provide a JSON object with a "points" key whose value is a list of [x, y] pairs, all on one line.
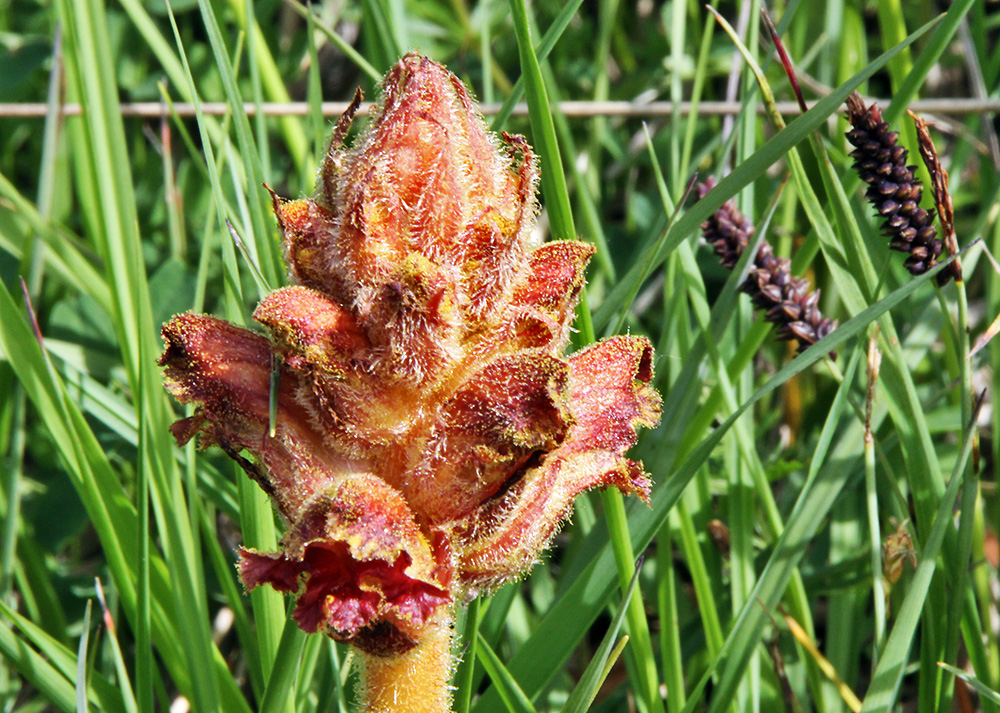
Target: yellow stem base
{"points": [[414, 682]]}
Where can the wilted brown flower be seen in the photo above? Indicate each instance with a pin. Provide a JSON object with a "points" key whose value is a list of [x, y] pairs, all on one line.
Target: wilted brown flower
{"points": [[786, 301], [430, 433]]}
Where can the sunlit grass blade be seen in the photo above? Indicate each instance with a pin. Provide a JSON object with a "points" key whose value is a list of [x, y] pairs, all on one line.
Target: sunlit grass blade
{"points": [[642, 657], [981, 688], [81, 662], [110, 410], [821, 661], [925, 60], [909, 415], [560, 213], [314, 98], [280, 689], [256, 516], [596, 672], [260, 120], [554, 189], [828, 473], [36, 670], [855, 275], [235, 598], [232, 284], [64, 253], [260, 237], [349, 51], [673, 209], [273, 84], [542, 51], [513, 697], [467, 665], [113, 516], [881, 694], [121, 670], [114, 208], [54, 667]]}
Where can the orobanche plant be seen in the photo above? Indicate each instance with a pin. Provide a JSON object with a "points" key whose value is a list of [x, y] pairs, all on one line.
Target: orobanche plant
{"points": [[430, 434]]}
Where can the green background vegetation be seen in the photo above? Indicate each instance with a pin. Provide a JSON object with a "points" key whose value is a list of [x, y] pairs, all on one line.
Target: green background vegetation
{"points": [[117, 222]]}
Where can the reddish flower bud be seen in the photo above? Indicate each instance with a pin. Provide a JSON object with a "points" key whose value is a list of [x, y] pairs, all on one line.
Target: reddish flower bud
{"points": [[431, 434]]}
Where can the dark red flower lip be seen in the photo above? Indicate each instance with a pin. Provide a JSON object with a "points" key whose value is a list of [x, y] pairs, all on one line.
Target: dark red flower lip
{"points": [[347, 599], [358, 562]]}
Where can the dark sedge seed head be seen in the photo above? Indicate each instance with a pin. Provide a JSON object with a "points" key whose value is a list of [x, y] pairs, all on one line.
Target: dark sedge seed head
{"points": [[892, 188], [786, 300]]}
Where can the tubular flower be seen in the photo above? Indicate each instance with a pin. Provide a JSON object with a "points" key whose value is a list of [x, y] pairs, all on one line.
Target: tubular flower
{"points": [[431, 434]]}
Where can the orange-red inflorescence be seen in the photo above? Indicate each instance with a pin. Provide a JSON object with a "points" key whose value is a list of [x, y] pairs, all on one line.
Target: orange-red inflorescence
{"points": [[430, 435]]}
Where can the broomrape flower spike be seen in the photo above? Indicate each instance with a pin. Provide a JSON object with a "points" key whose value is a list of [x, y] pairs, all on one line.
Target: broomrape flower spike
{"points": [[431, 435]]}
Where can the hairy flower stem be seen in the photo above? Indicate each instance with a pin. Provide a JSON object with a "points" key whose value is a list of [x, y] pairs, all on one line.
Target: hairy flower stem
{"points": [[415, 681]]}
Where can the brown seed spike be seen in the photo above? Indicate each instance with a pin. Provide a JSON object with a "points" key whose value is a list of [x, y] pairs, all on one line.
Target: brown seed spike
{"points": [[942, 198], [892, 188], [787, 301]]}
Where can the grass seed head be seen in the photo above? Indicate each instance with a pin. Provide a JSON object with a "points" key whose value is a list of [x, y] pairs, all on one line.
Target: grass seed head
{"points": [[892, 188], [786, 300]]}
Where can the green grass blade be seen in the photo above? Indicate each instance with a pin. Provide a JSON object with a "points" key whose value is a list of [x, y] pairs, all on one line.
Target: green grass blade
{"points": [[56, 688], [232, 285], [54, 668], [465, 674], [81, 662], [543, 130], [828, 474], [280, 689], [64, 255], [981, 688], [274, 87], [557, 204], [596, 672], [352, 54], [542, 51], [117, 237], [225, 573], [108, 507], [264, 247], [513, 697], [314, 98], [643, 658], [929, 54], [256, 515], [260, 120], [882, 692], [121, 670]]}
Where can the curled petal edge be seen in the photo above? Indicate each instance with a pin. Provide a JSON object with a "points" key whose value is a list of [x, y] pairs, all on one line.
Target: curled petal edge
{"points": [[362, 570], [508, 535], [609, 396]]}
